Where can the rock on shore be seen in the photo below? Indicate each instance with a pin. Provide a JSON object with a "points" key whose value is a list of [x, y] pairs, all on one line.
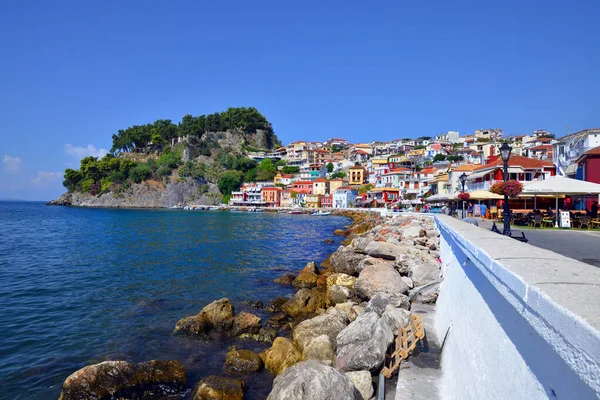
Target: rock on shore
{"points": [[313, 380], [120, 379]]}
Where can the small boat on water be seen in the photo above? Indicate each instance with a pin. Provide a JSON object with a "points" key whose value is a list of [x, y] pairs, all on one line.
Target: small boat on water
{"points": [[296, 212], [176, 207], [213, 208], [321, 213], [254, 209]]}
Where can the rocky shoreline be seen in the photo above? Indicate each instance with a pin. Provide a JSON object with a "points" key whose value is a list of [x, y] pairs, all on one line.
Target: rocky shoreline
{"points": [[329, 340]]}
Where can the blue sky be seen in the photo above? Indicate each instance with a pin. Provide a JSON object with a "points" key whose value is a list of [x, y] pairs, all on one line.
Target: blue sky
{"points": [[74, 72]]}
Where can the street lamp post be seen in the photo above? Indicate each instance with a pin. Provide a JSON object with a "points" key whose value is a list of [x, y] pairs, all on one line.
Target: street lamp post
{"points": [[463, 180], [505, 151]]}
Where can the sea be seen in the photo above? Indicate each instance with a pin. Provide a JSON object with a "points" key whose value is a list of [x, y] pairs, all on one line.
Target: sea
{"points": [[79, 286]]}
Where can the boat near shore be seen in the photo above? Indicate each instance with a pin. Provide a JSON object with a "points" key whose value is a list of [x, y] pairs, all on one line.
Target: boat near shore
{"points": [[321, 213]]}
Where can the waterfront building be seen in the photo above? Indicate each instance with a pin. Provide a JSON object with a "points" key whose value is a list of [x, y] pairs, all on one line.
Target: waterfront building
{"points": [[344, 197], [522, 169], [321, 186], [271, 196], [335, 184], [327, 201], [313, 200]]}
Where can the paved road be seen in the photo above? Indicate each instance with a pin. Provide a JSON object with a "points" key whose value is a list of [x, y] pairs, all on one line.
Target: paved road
{"points": [[581, 245]]}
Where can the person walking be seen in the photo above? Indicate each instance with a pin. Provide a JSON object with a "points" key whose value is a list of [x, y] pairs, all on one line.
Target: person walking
{"points": [[483, 211], [470, 210], [594, 210]]}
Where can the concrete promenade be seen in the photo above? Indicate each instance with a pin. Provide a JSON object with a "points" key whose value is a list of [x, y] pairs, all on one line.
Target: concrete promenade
{"points": [[520, 321], [582, 245]]}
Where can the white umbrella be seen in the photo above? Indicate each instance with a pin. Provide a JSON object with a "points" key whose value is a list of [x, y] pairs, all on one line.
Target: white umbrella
{"points": [[561, 186]]}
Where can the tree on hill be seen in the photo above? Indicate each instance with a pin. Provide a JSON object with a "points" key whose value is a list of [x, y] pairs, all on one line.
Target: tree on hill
{"points": [[330, 167], [265, 170], [246, 119], [439, 157]]}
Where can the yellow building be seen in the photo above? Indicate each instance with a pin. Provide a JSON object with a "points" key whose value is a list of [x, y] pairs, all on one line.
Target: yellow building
{"points": [[321, 186], [313, 200], [356, 175], [277, 180], [335, 184]]}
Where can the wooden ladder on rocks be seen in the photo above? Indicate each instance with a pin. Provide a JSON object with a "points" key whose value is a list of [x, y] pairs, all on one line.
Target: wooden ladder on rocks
{"points": [[406, 341]]}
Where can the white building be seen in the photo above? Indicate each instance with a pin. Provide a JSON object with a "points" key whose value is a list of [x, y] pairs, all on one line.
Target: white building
{"points": [[567, 149], [344, 197], [450, 136]]}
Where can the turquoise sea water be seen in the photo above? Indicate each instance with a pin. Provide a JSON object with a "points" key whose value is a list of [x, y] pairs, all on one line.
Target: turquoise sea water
{"points": [[79, 286]]}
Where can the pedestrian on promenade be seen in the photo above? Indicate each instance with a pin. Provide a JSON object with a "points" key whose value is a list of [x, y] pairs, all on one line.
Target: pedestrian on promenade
{"points": [[594, 210], [483, 211], [470, 210]]}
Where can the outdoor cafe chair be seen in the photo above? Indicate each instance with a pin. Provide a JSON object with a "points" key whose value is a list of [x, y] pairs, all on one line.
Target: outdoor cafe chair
{"points": [[595, 223], [536, 220], [585, 220], [548, 221]]}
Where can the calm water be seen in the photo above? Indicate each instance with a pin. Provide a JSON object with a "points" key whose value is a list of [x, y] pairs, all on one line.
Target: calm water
{"points": [[80, 286]]}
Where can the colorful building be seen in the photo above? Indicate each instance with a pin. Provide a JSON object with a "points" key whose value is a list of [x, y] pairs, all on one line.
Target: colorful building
{"points": [[327, 201], [313, 200], [344, 197], [321, 186], [356, 175], [271, 196]]}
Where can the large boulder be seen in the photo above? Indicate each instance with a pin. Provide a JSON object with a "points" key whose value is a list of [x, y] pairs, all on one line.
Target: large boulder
{"points": [[240, 361], [379, 278], [219, 388], [120, 379], [381, 300], [305, 301], [281, 355], [245, 323], [363, 381], [338, 294], [313, 380], [330, 323], [363, 344], [351, 309], [321, 348], [218, 315], [396, 318], [388, 251], [307, 278], [345, 261], [414, 230], [423, 272], [341, 280], [286, 279], [427, 293], [359, 244]]}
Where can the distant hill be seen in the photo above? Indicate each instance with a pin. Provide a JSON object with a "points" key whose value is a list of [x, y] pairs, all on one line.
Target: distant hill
{"points": [[201, 160]]}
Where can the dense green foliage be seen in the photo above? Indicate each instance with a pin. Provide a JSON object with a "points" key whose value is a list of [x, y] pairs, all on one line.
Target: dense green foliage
{"points": [[290, 170], [156, 135], [439, 157], [330, 167], [338, 174], [265, 170]]}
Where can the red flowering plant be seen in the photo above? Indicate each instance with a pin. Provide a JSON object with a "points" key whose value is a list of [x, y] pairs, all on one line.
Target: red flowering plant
{"points": [[512, 188], [464, 196]]}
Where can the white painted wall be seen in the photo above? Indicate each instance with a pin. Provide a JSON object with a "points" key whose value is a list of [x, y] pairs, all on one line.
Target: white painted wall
{"points": [[515, 319]]}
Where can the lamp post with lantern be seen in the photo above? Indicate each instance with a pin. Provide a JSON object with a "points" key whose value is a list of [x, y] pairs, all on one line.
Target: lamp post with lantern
{"points": [[463, 180], [505, 151]]}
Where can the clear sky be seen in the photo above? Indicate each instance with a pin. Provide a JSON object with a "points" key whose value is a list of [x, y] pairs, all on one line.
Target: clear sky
{"points": [[74, 72]]}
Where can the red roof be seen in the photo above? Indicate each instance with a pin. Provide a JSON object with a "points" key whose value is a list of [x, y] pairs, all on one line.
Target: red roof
{"points": [[320, 180], [593, 152], [287, 176], [277, 189], [303, 183], [542, 147], [518, 161]]}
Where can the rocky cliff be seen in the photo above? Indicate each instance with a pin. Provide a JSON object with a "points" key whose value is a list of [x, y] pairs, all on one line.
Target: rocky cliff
{"points": [[148, 194]]}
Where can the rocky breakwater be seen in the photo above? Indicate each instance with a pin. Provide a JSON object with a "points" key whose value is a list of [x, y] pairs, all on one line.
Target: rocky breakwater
{"points": [[345, 314], [327, 341]]}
